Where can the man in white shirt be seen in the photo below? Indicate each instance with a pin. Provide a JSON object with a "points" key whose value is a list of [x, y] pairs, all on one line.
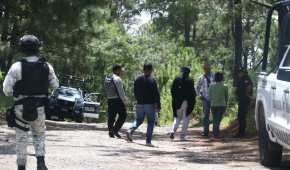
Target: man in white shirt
{"points": [[117, 101], [202, 90], [29, 81]]}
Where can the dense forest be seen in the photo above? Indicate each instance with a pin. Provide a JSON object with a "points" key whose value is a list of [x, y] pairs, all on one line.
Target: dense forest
{"points": [[84, 38]]}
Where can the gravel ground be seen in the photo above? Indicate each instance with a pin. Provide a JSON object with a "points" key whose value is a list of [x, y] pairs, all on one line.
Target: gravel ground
{"points": [[87, 147]]}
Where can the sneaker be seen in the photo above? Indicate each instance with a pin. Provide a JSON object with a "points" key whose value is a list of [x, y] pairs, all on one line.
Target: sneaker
{"points": [[182, 138], [217, 137], [41, 163], [111, 134], [171, 136], [239, 135], [21, 167], [203, 134], [129, 135], [149, 144], [118, 135]]}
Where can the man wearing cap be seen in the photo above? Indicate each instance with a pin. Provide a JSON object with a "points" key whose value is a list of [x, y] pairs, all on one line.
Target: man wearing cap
{"points": [[244, 90], [28, 81], [183, 101]]}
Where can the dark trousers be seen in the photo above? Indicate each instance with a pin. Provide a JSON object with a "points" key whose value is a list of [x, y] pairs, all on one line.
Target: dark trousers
{"points": [[217, 113], [116, 107], [206, 115], [244, 106]]}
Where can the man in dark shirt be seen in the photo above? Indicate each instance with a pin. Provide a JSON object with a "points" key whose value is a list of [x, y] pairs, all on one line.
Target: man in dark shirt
{"points": [[244, 92], [148, 102], [183, 101]]}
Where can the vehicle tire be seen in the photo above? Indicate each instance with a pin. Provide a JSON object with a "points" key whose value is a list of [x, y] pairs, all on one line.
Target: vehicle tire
{"points": [[47, 115], [270, 152], [79, 118], [61, 116]]}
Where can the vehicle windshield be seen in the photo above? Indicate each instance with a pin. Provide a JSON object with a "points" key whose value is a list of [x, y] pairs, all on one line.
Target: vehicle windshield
{"points": [[69, 92], [286, 62]]}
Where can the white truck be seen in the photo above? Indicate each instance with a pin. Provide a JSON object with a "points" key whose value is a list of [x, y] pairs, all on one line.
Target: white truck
{"points": [[272, 111]]}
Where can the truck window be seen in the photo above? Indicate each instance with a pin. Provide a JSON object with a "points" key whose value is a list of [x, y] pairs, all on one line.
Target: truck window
{"points": [[284, 71], [287, 59], [273, 46]]}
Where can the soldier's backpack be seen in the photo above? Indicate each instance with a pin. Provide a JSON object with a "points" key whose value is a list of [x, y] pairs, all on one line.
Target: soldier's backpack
{"points": [[110, 86]]}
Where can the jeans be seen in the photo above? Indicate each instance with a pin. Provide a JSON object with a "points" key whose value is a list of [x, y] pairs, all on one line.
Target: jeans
{"points": [[217, 113], [206, 112], [181, 115], [116, 106], [149, 111]]}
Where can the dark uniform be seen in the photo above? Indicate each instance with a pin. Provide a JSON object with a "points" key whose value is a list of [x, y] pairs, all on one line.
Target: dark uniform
{"points": [[183, 101], [244, 93]]}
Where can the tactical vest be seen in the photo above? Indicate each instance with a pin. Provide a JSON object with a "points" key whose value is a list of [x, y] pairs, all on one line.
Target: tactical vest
{"points": [[34, 78], [110, 87]]}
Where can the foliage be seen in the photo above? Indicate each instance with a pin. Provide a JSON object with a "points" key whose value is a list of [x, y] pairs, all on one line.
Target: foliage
{"points": [[85, 38]]}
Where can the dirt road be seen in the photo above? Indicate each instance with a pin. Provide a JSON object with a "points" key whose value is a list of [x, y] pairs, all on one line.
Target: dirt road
{"points": [[88, 147]]}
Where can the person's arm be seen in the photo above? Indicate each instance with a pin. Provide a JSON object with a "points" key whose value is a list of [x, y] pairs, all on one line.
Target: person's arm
{"points": [[120, 88], [173, 88], [53, 80], [136, 90], [250, 88], [198, 87], [13, 75], [157, 95], [190, 90], [194, 91], [210, 92], [226, 94]]}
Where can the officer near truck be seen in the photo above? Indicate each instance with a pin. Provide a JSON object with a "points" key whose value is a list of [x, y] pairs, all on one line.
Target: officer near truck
{"points": [[244, 92], [28, 81]]}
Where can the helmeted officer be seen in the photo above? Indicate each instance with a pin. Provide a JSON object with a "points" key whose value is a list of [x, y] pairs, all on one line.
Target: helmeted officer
{"points": [[29, 81], [244, 90]]}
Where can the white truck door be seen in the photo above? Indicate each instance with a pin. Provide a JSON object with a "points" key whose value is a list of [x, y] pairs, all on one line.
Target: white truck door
{"points": [[280, 101]]}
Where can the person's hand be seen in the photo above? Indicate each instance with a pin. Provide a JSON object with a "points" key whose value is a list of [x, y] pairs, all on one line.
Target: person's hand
{"points": [[226, 112], [157, 108], [201, 97], [126, 103]]}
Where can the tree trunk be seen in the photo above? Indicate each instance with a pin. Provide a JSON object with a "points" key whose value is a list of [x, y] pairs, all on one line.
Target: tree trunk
{"points": [[186, 33], [238, 37], [246, 48]]}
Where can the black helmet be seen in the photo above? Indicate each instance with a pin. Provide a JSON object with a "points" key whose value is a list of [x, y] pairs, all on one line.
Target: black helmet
{"points": [[29, 44]]}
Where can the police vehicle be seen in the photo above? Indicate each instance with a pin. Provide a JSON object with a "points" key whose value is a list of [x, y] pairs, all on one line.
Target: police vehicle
{"points": [[273, 92], [70, 102]]}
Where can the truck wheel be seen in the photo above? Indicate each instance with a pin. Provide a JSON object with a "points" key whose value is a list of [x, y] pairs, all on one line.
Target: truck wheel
{"points": [[79, 118], [48, 117], [270, 152]]}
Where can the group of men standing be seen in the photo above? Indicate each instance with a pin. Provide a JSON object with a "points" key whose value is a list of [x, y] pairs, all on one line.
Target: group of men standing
{"points": [[210, 89]]}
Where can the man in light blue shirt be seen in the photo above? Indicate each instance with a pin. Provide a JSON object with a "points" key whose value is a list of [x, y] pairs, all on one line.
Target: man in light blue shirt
{"points": [[203, 91]]}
